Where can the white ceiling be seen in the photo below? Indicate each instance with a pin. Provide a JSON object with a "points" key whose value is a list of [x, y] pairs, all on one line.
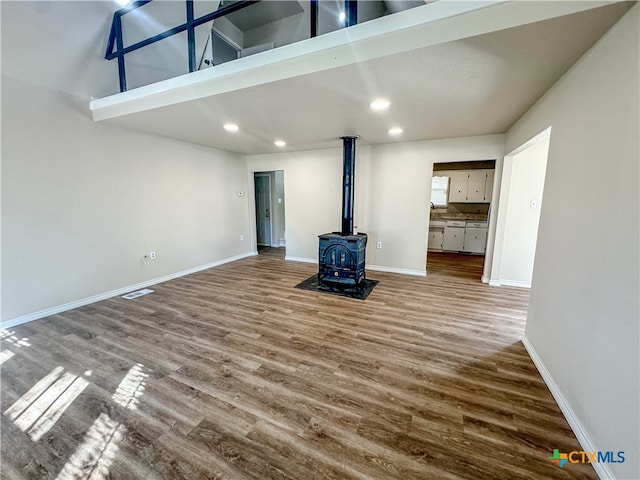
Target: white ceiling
{"points": [[474, 86]]}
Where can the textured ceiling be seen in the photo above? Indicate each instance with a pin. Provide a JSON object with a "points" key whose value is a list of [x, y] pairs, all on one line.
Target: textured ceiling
{"points": [[475, 86]]}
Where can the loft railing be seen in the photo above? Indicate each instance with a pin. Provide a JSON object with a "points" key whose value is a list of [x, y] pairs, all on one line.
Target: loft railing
{"points": [[116, 48]]}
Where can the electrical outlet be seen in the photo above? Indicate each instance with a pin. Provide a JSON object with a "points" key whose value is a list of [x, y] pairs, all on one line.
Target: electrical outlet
{"points": [[241, 237], [152, 255], [379, 245]]}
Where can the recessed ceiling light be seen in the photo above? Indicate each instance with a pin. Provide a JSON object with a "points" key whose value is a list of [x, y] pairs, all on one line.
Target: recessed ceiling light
{"points": [[279, 143], [380, 104], [395, 131], [231, 127], [123, 3]]}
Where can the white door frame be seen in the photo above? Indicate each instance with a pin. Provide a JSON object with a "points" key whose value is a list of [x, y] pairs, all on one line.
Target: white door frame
{"points": [[501, 222]]}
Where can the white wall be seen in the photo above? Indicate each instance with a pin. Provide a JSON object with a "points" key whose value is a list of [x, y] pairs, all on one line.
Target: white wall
{"points": [[583, 318], [393, 187], [82, 202], [517, 225], [277, 186], [313, 196], [282, 32]]}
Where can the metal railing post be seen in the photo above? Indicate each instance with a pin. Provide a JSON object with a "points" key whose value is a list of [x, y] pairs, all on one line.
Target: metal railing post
{"points": [[119, 46], [314, 18], [191, 36], [351, 11]]}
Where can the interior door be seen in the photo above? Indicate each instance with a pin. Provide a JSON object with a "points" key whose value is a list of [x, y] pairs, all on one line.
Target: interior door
{"points": [[263, 209]]}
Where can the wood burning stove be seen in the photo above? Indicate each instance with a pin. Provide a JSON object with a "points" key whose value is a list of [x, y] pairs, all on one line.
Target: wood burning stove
{"points": [[341, 259], [341, 255]]}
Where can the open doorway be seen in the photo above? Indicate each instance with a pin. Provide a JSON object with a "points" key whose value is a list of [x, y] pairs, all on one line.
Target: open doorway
{"points": [[270, 213], [461, 195], [521, 194]]}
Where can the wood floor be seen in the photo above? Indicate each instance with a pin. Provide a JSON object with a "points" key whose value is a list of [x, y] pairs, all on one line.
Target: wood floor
{"points": [[232, 373]]}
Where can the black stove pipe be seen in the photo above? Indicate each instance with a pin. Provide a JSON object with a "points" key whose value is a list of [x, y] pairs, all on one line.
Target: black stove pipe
{"points": [[348, 176]]}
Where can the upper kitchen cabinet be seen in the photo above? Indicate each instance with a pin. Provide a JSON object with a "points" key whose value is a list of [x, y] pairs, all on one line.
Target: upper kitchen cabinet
{"points": [[488, 186], [458, 186], [476, 186], [471, 186]]}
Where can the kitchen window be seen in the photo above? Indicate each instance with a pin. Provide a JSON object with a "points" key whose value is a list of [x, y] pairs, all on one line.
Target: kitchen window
{"points": [[439, 191]]}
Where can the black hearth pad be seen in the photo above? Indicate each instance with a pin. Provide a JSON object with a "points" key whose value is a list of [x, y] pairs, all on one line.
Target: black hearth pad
{"points": [[361, 293]]}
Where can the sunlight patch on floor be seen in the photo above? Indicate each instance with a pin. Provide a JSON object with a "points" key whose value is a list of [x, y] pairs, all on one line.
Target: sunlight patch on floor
{"points": [[131, 387], [5, 355], [94, 456], [9, 337], [41, 407]]}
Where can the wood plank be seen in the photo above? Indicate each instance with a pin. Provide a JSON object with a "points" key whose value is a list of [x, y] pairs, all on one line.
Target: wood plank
{"points": [[246, 377]]}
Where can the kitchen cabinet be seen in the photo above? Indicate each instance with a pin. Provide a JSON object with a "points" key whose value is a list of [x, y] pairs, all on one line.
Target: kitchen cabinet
{"points": [[453, 238], [476, 186], [436, 237], [458, 186], [475, 237], [471, 186], [488, 188], [461, 236]]}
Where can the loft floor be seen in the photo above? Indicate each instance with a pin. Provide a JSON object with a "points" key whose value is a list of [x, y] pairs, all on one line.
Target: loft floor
{"points": [[232, 373]]}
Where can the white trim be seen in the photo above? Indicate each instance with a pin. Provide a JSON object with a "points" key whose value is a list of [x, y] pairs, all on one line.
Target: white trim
{"points": [[485, 279], [513, 283], [13, 322], [544, 135], [301, 259], [506, 283], [403, 271], [602, 469]]}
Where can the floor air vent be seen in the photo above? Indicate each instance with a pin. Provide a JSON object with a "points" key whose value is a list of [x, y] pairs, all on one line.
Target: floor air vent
{"points": [[139, 293]]}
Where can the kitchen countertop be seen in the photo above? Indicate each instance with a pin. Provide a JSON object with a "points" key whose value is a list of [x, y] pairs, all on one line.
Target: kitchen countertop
{"points": [[473, 217]]}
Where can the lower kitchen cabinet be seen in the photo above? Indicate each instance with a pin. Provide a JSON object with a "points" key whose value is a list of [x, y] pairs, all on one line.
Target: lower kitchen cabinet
{"points": [[461, 236], [475, 239], [453, 239], [435, 239]]}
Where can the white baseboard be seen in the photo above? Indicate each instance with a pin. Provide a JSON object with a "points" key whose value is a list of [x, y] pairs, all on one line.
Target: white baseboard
{"points": [[515, 283], [14, 322], [508, 283], [485, 280], [403, 271], [602, 469]]}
